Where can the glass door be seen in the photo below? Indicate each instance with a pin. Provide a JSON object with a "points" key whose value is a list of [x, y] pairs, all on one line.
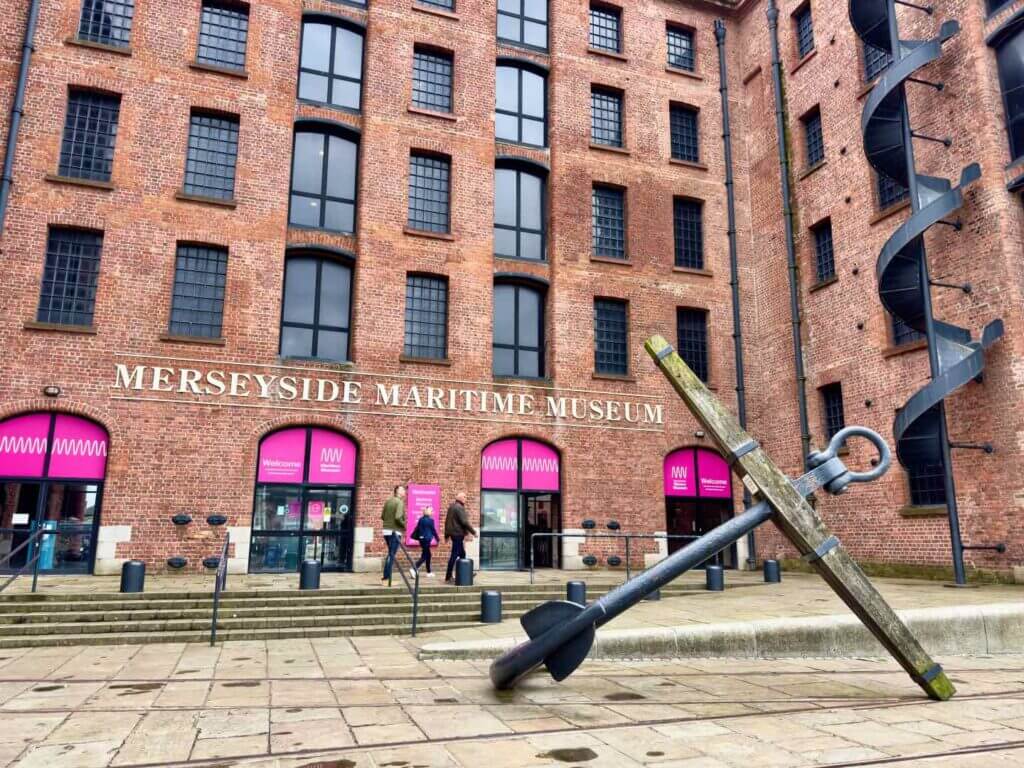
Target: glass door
{"points": [[19, 505], [499, 530], [329, 528], [276, 526], [541, 514]]}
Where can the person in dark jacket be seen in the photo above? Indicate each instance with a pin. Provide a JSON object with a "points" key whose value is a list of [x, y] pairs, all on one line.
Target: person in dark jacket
{"points": [[456, 529], [393, 526], [426, 534]]}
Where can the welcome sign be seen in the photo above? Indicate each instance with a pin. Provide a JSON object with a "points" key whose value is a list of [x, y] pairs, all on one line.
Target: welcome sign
{"points": [[692, 472]]}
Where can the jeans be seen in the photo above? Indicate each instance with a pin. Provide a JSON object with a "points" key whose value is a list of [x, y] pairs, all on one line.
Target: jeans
{"points": [[425, 556], [458, 550], [389, 562]]}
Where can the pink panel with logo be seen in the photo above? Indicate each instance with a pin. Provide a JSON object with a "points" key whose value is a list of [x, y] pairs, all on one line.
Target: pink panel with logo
{"points": [[715, 476], [282, 457], [418, 498], [332, 458], [79, 450], [540, 467], [499, 466], [23, 445], [680, 471]]}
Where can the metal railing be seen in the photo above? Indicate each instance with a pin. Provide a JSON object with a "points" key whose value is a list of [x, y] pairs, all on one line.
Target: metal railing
{"points": [[220, 581], [414, 586], [628, 537], [35, 550]]}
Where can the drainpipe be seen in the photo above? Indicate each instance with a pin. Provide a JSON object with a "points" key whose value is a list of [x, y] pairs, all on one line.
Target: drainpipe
{"points": [[16, 110], [734, 270], [787, 214]]}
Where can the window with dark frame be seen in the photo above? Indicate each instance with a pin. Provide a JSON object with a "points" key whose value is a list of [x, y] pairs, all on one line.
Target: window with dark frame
{"points": [[197, 305], [1010, 63], [67, 295], [331, 64], [605, 117], [692, 330], [804, 31], [108, 22], [991, 6], [824, 251], [521, 106], [814, 140], [519, 214], [681, 53], [323, 192], [429, 190], [444, 5], [832, 409], [890, 191], [688, 228], [903, 334], [212, 155], [90, 131], [518, 342], [223, 34], [426, 317], [611, 355], [927, 485], [876, 61], [606, 28], [608, 215], [523, 22], [684, 135], [316, 308], [432, 80]]}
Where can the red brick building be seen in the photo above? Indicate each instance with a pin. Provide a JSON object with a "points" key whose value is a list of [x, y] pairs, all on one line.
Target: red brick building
{"points": [[262, 262]]}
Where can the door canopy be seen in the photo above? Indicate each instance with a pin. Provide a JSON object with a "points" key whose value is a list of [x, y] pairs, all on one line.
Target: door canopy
{"points": [[520, 465], [307, 455], [52, 445], [697, 472]]}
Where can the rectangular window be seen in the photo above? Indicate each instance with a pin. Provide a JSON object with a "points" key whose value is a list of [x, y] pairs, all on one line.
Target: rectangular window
{"points": [[426, 317], [832, 409], [688, 226], [223, 33], [824, 256], [813, 138], [197, 307], [890, 192], [610, 337], [876, 61], [804, 31], [429, 179], [90, 129], [432, 80], [444, 5], [927, 485], [108, 22], [991, 6], [692, 328], [605, 117], [609, 222], [680, 49], [683, 132], [903, 333], [524, 22], [68, 294], [605, 28], [212, 154]]}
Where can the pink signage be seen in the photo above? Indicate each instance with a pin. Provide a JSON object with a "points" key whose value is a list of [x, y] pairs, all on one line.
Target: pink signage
{"points": [[315, 515], [78, 452], [282, 457], [680, 470], [23, 446], [418, 498], [689, 469], [715, 476], [540, 467], [499, 466], [332, 458]]}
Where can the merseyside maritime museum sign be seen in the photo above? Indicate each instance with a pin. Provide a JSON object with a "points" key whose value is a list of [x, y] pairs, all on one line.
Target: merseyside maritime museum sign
{"points": [[290, 388]]}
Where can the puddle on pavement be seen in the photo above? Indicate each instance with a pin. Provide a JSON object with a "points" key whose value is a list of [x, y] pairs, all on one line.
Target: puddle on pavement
{"points": [[186, 671], [446, 701], [655, 753], [47, 688], [580, 755], [134, 689], [243, 684], [332, 764], [243, 658], [624, 696]]}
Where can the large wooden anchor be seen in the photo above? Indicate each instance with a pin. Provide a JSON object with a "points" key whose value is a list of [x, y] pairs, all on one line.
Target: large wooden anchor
{"points": [[562, 633]]}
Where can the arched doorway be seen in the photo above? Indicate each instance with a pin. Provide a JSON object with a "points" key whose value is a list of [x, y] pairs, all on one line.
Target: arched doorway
{"points": [[52, 468], [698, 497], [520, 495], [304, 505]]}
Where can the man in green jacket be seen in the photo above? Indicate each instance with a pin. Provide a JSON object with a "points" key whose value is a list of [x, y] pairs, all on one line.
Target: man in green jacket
{"points": [[393, 523]]}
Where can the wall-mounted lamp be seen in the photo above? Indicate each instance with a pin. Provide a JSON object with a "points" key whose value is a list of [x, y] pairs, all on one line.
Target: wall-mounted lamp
{"points": [[51, 390], [699, 434], [181, 519]]}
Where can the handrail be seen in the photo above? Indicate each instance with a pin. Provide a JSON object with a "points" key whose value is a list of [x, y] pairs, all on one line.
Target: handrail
{"points": [[220, 581], [414, 588], [33, 539], [627, 536]]}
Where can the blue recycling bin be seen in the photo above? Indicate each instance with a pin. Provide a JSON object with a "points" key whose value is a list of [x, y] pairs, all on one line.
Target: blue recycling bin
{"points": [[715, 575]]}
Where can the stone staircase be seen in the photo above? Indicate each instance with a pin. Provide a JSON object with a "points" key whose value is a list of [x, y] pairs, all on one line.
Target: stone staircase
{"points": [[37, 620]]}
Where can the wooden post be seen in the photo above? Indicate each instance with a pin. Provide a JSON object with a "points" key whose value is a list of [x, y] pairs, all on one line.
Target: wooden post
{"points": [[801, 524]]}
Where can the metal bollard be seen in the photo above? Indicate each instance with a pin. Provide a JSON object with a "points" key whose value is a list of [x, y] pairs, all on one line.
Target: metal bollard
{"points": [[133, 576], [715, 578], [576, 592], [309, 574], [490, 607], [655, 595], [463, 572], [772, 572]]}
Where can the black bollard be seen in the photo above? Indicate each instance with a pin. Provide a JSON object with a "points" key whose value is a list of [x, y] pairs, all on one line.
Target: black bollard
{"points": [[309, 574], [490, 607], [715, 575], [133, 576], [576, 592], [772, 572], [463, 572]]}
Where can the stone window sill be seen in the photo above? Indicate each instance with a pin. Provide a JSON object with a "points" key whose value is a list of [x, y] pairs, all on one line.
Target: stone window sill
{"points": [[119, 50], [800, 64], [435, 11], [346, 365], [222, 203], [692, 271], [610, 54], [542, 381], [54, 178], [823, 284], [432, 113], [932, 510], [218, 341], [428, 234], [610, 260], [609, 148], [811, 169], [424, 360], [683, 72], [35, 325], [885, 213], [688, 164], [202, 66], [624, 377], [903, 349]]}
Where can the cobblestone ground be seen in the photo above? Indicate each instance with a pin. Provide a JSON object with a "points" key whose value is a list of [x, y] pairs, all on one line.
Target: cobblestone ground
{"points": [[370, 704]]}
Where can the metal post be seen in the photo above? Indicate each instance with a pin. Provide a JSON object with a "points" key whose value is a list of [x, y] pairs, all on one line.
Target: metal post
{"points": [[530, 553], [34, 551], [628, 537]]}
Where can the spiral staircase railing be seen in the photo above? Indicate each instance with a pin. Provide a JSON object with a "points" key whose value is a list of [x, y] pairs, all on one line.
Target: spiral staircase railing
{"points": [[904, 284]]}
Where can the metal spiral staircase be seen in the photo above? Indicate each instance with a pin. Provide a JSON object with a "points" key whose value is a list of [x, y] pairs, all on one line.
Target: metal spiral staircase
{"points": [[902, 269]]}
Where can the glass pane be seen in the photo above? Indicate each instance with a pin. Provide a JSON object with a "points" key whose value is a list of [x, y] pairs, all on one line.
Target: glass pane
{"points": [[510, 6], [529, 364], [506, 127], [535, 34], [299, 290], [504, 362], [316, 46], [529, 317], [508, 27], [335, 280], [339, 217], [274, 553], [533, 94], [530, 197], [536, 9], [348, 53], [345, 94], [332, 345], [533, 132], [505, 242], [296, 342], [499, 552], [341, 171], [499, 512], [305, 212], [504, 314], [307, 165], [531, 246], [277, 508], [508, 89], [69, 515], [505, 197], [312, 87]]}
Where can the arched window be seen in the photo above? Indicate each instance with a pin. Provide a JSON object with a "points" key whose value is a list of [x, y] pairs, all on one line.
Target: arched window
{"points": [[331, 64], [518, 213], [518, 331], [316, 308], [324, 168], [521, 105], [1010, 59]]}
